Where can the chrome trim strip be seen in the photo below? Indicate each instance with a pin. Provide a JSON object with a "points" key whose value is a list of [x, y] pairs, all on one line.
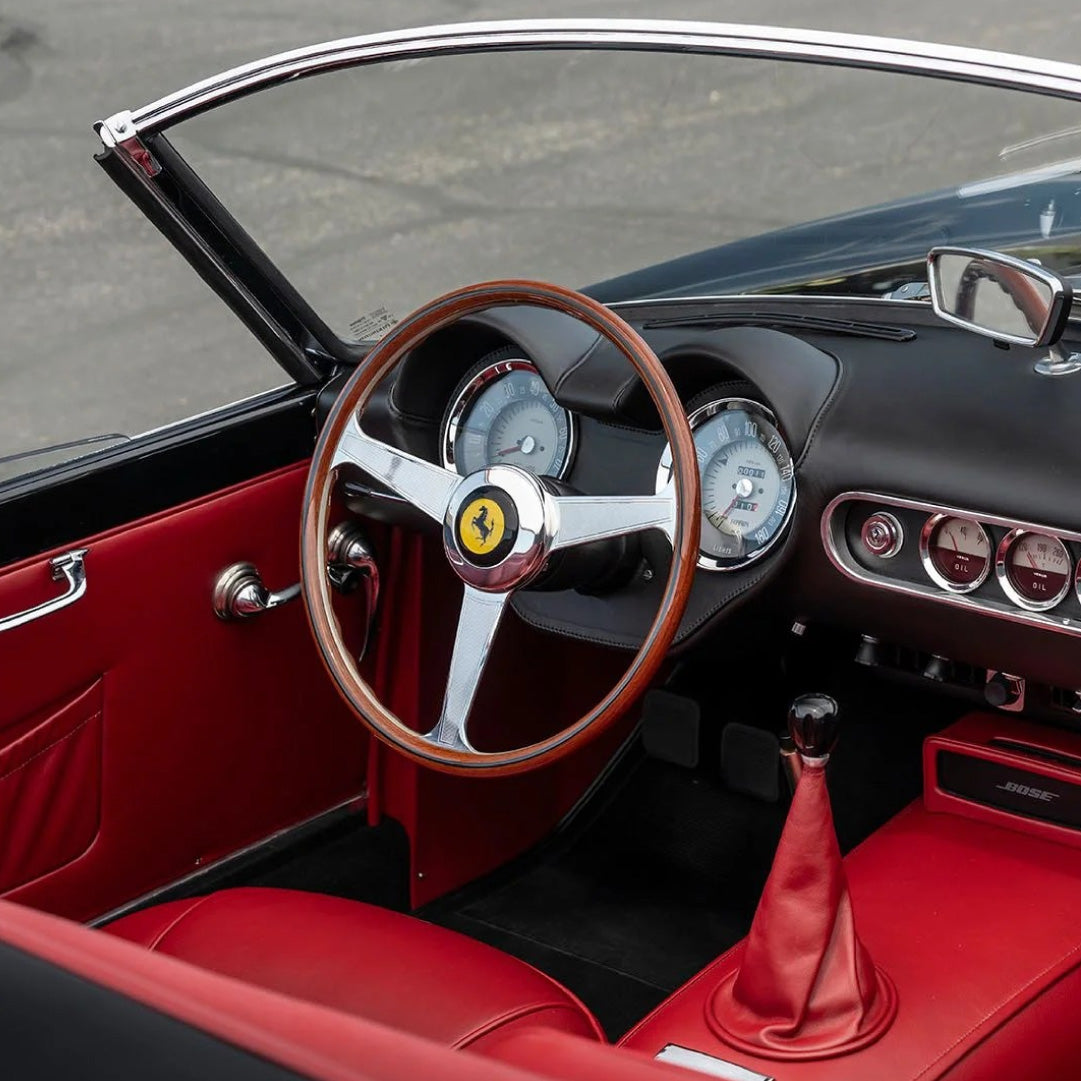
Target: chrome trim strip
{"points": [[734, 299], [846, 565], [709, 1065], [850, 50]]}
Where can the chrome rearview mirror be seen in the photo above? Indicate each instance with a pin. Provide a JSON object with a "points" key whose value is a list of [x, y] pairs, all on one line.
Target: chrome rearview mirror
{"points": [[998, 295]]}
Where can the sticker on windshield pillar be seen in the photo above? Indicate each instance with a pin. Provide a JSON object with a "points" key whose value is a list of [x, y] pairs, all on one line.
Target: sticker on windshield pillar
{"points": [[373, 325]]}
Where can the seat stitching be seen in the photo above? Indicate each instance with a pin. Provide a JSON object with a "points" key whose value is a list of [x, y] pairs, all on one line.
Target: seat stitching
{"points": [[171, 926], [506, 1017], [1005, 1002]]}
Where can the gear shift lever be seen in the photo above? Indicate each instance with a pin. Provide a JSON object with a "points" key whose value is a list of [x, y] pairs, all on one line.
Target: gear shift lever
{"points": [[806, 986], [814, 727]]}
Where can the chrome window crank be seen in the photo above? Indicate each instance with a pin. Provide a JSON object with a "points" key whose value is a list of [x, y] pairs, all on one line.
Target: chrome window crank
{"points": [[239, 591], [70, 568]]}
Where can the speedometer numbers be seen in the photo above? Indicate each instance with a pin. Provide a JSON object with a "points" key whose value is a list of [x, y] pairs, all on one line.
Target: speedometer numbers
{"points": [[504, 413], [748, 485]]}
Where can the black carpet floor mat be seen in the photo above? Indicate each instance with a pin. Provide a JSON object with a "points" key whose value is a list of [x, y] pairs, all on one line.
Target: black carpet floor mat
{"points": [[662, 870], [662, 879]]}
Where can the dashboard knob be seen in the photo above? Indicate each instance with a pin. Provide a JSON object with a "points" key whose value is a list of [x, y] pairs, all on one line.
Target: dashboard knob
{"points": [[882, 535], [813, 726], [1004, 691]]}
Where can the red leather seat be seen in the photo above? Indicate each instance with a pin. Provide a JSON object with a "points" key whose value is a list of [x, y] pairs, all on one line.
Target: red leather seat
{"points": [[363, 960]]}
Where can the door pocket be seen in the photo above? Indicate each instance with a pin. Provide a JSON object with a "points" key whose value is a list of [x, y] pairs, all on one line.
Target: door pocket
{"points": [[50, 787]]}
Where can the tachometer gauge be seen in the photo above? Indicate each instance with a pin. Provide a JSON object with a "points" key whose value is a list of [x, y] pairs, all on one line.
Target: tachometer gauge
{"points": [[748, 484], [1033, 569], [503, 413], [956, 552]]}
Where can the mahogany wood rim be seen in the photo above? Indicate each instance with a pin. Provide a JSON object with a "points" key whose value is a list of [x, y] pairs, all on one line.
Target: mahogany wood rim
{"points": [[352, 399]]}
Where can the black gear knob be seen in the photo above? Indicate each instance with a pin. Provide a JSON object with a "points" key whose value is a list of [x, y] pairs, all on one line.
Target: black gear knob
{"points": [[813, 726]]}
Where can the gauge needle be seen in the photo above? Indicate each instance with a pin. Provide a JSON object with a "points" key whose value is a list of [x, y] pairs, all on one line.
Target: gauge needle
{"points": [[1028, 556], [724, 513], [509, 450]]}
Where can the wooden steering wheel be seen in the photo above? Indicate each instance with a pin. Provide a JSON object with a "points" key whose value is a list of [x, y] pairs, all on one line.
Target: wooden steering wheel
{"points": [[499, 526]]}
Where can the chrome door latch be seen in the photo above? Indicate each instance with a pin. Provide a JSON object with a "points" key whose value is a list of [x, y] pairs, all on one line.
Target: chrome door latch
{"points": [[239, 592], [68, 567]]}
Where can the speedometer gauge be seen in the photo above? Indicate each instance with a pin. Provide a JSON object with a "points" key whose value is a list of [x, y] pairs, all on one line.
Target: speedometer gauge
{"points": [[504, 413], [748, 485], [1033, 569]]}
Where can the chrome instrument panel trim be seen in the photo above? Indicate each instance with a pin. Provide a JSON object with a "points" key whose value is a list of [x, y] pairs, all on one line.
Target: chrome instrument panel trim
{"points": [[831, 532], [979, 66], [695, 420], [469, 393]]}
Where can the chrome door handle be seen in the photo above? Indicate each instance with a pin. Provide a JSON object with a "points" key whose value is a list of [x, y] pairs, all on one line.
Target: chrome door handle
{"points": [[70, 568]]}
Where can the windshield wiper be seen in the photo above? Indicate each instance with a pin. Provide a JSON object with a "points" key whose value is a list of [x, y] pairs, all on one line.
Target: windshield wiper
{"points": [[788, 321]]}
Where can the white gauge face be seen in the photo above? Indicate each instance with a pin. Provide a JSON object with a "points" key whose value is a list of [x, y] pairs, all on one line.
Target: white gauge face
{"points": [[960, 551], [1038, 567], [748, 485], [505, 415], [741, 487]]}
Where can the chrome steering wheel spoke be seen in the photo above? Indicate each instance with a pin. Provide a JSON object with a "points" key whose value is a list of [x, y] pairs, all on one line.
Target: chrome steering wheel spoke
{"points": [[426, 486], [585, 518], [477, 624]]}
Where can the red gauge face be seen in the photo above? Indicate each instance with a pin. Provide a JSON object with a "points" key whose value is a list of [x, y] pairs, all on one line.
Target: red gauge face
{"points": [[1038, 567], [960, 551]]}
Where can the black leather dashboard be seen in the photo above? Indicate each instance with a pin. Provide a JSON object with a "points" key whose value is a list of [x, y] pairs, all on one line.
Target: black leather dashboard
{"points": [[872, 395]]}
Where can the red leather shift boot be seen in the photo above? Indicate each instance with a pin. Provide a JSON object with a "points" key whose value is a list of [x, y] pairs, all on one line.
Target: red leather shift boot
{"points": [[806, 986]]}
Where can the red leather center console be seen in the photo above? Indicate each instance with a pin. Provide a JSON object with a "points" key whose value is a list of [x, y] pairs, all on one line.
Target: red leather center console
{"points": [[978, 926]]}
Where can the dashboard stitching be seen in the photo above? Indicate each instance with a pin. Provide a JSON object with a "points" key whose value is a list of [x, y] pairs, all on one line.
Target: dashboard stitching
{"points": [[825, 408], [583, 359]]}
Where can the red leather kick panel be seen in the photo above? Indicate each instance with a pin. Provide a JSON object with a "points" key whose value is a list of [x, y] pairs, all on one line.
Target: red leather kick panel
{"points": [[214, 735], [50, 788], [459, 826], [973, 923]]}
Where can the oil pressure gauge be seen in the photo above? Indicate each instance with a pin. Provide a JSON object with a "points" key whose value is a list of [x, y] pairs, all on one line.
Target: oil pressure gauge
{"points": [[956, 552], [1033, 569]]}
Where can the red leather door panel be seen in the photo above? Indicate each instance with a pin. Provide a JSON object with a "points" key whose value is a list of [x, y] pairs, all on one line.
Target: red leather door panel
{"points": [[213, 735]]}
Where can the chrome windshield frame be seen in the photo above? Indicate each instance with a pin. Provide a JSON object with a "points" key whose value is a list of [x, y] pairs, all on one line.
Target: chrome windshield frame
{"points": [[979, 66]]}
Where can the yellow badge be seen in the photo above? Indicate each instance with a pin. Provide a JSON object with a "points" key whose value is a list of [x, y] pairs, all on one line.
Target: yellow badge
{"points": [[481, 526]]}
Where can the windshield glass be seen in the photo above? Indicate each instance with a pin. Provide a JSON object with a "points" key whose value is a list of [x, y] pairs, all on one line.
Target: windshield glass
{"points": [[589, 166]]}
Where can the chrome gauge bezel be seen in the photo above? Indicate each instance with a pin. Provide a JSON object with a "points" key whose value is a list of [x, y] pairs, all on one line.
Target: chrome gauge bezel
{"points": [[1002, 571], [695, 420], [472, 390], [928, 562]]}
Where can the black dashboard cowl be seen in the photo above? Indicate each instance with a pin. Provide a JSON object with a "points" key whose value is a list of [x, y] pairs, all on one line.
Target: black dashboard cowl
{"points": [[791, 376]]}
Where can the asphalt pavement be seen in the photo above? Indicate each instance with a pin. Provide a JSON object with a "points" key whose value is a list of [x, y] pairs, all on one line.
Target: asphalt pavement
{"points": [[388, 199]]}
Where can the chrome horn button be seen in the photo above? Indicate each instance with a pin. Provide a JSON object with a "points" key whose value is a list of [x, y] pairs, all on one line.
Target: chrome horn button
{"points": [[498, 530]]}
